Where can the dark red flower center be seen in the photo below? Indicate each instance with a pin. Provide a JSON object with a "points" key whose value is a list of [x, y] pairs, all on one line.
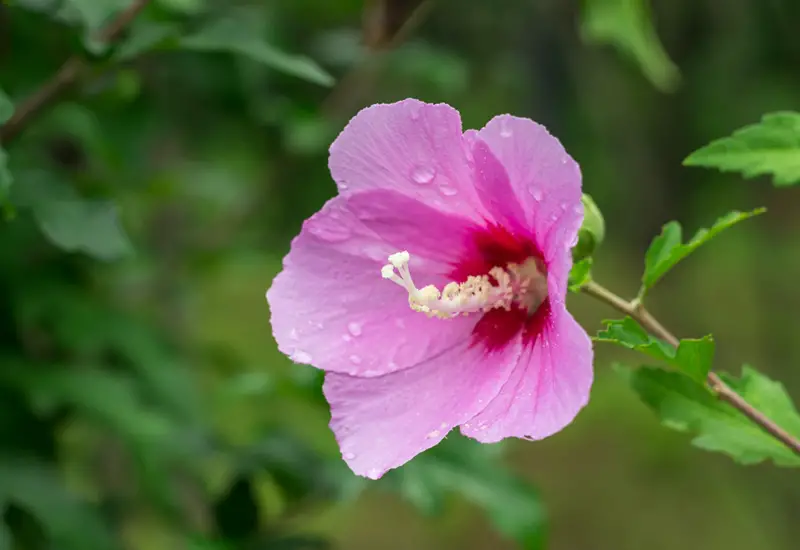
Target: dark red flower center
{"points": [[496, 246]]}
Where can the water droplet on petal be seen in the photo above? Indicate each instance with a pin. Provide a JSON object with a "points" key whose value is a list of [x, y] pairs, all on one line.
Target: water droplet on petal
{"points": [[423, 174], [355, 359], [354, 328], [373, 473], [349, 456], [574, 241], [347, 337], [448, 191], [536, 193], [299, 356], [443, 426], [294, 335], [433, 434], [578, 209], [414, 109]]}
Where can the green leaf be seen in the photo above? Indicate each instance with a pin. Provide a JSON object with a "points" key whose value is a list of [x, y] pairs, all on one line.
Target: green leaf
{"points": [[461, 466], [38, 489], [237, 34], [147, 36], [771, 146], [69, 221], [95, 13], [685, 406], [693, 357], [668, 249], [628, 26], [580, 274]]}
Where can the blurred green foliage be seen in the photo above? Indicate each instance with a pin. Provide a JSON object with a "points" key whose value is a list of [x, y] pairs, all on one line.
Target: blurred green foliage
{"points": [[144, 402]]}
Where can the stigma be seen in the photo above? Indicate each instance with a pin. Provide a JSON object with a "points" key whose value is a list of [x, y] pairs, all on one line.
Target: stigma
{"points": [[503, 287]]}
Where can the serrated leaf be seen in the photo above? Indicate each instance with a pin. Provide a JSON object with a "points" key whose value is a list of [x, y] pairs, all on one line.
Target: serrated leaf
{"points": [[688, 407], [69, 221], [236, 34], [580, 274], [668, 249], [693, 357], [38, 489], [771, 147], [464, 467], [628, 26]]}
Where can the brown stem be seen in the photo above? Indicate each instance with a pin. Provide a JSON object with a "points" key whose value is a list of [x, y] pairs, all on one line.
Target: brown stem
{"points": [[65, 78], [636, 310]]}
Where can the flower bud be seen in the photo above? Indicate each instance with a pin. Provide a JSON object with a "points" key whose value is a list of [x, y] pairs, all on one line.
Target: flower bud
{"points": [[592, 231]]}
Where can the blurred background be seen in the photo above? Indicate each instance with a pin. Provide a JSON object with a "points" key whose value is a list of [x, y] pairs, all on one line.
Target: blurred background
{"points": [[144, 403]]}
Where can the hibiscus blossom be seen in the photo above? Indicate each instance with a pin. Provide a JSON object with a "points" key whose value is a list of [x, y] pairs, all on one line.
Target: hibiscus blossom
{"points": [[432, 288]]}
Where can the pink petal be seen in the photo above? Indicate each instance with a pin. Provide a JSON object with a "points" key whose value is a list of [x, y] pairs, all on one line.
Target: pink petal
{"points": [[332, 309], [549, 385], [494, 188], [411, 147], [382, 423], [545, 179]]}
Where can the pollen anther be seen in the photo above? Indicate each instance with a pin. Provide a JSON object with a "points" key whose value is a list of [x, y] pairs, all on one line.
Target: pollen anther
{"points": [[501, 288]]}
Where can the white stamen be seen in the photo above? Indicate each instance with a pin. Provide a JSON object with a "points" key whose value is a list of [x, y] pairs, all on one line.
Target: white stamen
{"points": [[516, 284]]}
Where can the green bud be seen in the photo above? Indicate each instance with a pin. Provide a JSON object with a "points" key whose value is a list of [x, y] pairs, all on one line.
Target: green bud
{"points": [[592, 231]]}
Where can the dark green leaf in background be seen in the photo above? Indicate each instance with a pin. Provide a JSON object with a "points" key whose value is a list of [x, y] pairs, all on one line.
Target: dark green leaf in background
{"points": [[237, 34], [464, 467], [771, 147], [716, 426], [38, 489], [70, 222], [693, 357], [628, 26]]}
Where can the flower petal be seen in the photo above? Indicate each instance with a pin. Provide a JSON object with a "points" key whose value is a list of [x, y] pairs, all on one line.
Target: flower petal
{"points": [[332, 309], [494, 188], [382, 423], [545, 179], [549, 385], [411, 147]]}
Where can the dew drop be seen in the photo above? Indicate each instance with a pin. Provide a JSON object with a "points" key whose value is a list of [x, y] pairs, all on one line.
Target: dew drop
{"points": [[354, 328], [423, 175], [443, 426], [448, 191], [536, 193], [414, 110], [574, 241], [433, 434], [373, 473], [349, 456], [355, 359], [347, 337], [299, 356], [294, 335], [578, 209]]}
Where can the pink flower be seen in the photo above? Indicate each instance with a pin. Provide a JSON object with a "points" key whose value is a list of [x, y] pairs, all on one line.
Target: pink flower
{"points": [[484, 222]]}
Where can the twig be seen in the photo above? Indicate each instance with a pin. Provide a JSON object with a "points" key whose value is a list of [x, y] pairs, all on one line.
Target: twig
{"points": [[353, 85], [636, 310], [65, 78]]}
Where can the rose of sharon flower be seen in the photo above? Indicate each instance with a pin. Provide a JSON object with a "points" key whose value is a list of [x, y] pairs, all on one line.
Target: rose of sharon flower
{"points": [[432, 288]]}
